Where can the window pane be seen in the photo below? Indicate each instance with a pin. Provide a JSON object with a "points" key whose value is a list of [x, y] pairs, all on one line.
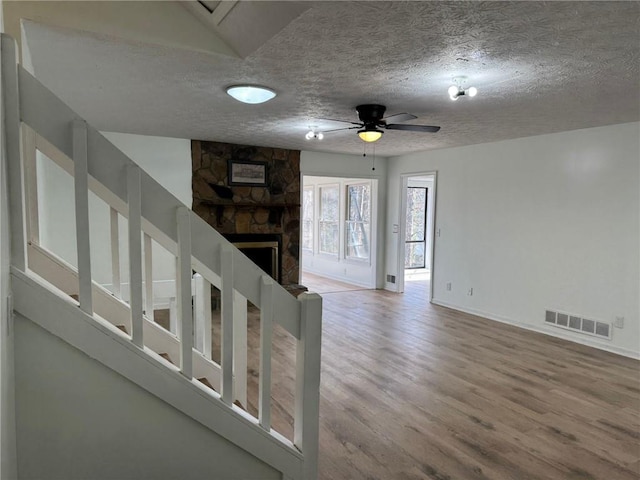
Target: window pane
{"points": [[329, 218], [329, 199], [414, 255], [416, 213], [307, 218], [359, 203], [358, 240], [358, 220], [329, 237]]}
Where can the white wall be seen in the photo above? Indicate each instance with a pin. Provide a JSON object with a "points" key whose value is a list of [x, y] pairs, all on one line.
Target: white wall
{"points": [[7, 405], [77, 419], [542, 222], [355, 271], [167, 160], [355, 166]]}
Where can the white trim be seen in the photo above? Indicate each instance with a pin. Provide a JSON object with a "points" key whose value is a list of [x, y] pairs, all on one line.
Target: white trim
{"points": [[149, 371], [339, 278], [552, 333], [402, 223]]}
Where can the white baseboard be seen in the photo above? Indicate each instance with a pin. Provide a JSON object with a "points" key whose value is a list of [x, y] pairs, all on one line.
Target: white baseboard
{"points": [[560, 334], [338, 278]]}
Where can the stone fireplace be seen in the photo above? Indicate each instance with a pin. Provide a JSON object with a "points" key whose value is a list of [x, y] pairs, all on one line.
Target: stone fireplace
{"points": [[264, 249], [263, 220]]}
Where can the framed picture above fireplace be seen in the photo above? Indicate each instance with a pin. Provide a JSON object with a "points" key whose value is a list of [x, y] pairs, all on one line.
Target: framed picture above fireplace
{"points": [[244, 172]]}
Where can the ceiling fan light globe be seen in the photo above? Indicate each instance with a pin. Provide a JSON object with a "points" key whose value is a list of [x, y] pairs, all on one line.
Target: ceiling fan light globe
{"points": [[473, 91], [454, 97], [319, 135], [309, 135], [453, 91], [369, 136]]}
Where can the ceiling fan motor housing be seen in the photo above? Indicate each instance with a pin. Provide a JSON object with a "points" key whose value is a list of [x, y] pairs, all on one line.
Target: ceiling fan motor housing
{"points": [[370, 114]]}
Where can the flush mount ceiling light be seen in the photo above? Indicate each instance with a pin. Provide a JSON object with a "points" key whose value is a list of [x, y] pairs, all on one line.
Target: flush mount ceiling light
{"points": [[251, 93], [459, 89], [370, 134]]}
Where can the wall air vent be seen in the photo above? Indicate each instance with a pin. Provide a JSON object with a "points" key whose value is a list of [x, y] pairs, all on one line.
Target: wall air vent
{"points": [[391, 278], [576, 323]]}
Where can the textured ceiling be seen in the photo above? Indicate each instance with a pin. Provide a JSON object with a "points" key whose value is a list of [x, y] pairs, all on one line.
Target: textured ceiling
{"points": [[540, 67]]}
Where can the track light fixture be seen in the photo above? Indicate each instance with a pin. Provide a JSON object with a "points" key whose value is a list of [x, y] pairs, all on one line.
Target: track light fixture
{"points": [[458, 89]]}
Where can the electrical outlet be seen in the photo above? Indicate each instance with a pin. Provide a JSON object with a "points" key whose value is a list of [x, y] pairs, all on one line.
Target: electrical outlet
{"points": [[470, 292], [619, 322], [438, 233], [448, 286], [395, 228]]}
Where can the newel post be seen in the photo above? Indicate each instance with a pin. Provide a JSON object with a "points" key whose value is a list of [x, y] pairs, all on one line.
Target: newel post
{"points": [[307, 408]]}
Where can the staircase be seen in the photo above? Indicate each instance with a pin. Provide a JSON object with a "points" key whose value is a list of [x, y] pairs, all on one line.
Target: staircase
{"points": [[117, 330]]}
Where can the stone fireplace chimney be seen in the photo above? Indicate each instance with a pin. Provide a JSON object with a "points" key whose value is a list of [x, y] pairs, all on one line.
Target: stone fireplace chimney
{"points": [[251, 195]]}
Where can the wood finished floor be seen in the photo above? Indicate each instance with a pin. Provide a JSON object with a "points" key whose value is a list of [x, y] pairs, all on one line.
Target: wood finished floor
{"points": [[414, 391]]}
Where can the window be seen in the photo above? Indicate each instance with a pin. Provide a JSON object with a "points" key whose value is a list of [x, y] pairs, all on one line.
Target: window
{"points": [[307, 218], [328, 223], [358, 224]]}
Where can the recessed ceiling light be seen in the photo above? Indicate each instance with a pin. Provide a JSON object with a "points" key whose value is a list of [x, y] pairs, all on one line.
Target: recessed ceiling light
{"points": [[251, 93]]}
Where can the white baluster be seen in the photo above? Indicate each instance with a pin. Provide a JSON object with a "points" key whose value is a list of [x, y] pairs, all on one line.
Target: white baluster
{"points": [[239, 348], [148, 278], [307, 407], [81, 189], [266, 333], [115, 253], [15, 174], [202, 311], [226, 348], [173, 316], [135, 253], [31, 183], [183, 270]]}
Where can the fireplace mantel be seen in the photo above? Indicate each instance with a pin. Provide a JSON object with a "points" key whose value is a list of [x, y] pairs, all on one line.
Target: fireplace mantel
{"points": [[276, 207]]}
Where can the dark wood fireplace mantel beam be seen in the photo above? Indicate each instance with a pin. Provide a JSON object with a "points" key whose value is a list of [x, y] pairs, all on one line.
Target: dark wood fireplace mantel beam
{"points": [[276, 209]]}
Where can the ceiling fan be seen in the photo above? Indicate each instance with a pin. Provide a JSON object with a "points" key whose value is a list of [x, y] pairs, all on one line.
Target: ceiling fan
{"points": [[372, 120]]}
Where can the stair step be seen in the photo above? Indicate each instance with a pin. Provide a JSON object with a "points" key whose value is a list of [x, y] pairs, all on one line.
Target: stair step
{"points": [[206, 382], [122, 328], [166, 357]]}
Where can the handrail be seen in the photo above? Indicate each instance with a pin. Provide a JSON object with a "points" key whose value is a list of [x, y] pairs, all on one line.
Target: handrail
{"points": [[99, 166], [50, 117]]}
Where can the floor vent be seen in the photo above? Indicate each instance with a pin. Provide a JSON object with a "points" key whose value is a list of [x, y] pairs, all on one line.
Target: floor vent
{"points": [[578, 324]]}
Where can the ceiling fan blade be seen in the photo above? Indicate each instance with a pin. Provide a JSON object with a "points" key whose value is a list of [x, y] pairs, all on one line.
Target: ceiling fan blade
{"points": [[341, 121], [399, 117], [413, 128], [338, 129]]}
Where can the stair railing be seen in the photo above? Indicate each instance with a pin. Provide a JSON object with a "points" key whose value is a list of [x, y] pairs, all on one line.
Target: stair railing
{"points": [[154, 213]]}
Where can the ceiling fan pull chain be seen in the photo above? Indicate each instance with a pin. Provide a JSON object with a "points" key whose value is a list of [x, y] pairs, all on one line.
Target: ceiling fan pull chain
{"points": [[373, 162]]}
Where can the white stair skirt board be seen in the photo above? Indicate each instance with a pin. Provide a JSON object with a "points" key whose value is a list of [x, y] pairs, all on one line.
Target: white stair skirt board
{"points": [[141, 366], [62, 276]]}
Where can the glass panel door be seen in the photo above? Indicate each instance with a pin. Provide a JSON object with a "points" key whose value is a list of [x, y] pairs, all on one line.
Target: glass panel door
{"points": [[415, 247]]}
